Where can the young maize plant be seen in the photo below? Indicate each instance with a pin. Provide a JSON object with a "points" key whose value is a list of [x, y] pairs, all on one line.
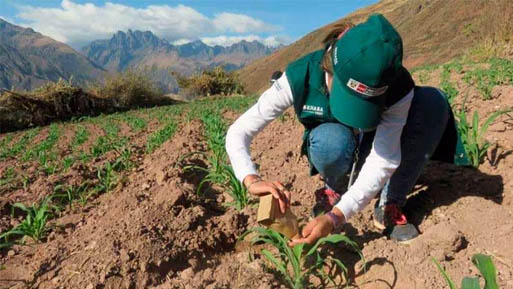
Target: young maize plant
{"points": [[160, 136], [472, 134], [33, 226], [67, 195], [236, 190], [20, 145], [298, 264], [485, 266], [81, 136]]}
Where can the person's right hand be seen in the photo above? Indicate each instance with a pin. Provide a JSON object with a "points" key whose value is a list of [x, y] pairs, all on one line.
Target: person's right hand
{"points": [[259, 187]]}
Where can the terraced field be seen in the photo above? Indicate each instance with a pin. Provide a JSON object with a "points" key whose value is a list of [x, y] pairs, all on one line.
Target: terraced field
{"points": [[147, 199]]}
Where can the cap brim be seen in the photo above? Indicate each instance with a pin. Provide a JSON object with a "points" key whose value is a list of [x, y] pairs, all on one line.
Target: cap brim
{"points": [[352, 110]]}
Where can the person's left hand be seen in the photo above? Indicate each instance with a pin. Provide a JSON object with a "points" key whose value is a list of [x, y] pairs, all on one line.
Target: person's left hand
{"points": [[317, 228]]}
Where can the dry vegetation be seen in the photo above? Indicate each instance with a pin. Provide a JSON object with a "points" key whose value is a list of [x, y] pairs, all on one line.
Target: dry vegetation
{"points": [[215, 81], [62, 100]]}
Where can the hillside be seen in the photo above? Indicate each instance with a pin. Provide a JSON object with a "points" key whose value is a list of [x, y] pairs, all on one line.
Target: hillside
{"points": [[433, 31], [29, 59], [137, 49]]}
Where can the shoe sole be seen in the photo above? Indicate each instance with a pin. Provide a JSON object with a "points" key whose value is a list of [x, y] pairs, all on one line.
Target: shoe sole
{"points": [[381, 227]]}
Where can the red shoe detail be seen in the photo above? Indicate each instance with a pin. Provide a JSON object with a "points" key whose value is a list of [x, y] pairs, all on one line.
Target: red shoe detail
{"points": [[328, 196], [395, 215]]}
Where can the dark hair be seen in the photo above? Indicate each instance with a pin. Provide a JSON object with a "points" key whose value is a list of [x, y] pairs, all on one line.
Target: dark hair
{"points": [[329, 41]]}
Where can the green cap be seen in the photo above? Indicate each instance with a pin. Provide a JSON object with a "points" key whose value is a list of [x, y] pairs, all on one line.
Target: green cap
{"points": [[365, 63]]}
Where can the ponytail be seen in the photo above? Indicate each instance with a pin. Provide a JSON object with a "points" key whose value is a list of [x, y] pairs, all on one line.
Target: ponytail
{"points": [[336, 32]]}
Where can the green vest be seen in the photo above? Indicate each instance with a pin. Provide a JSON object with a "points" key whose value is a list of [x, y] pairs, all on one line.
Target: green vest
{"points": [[311, 105]]}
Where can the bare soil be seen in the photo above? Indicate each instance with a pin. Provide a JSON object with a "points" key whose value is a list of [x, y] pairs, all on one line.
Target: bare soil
{"points": [[153, 231]]}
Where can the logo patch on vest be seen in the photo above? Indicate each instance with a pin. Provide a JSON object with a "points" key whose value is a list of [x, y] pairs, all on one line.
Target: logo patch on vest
{"points": [[313, 109], [364, 89]]}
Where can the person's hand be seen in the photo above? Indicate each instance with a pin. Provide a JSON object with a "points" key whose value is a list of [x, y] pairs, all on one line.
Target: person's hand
{"points": [[258, 187], [319, 227]]}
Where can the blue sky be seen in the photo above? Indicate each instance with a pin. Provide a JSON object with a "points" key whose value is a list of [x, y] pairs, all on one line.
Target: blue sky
{"points": [[78, 22]]}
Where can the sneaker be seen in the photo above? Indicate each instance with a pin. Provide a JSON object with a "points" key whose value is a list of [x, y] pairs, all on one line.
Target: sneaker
{"points": [[325, 200], [391, 219]]}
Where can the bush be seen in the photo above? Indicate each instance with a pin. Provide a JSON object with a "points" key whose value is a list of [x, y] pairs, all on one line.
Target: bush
{"points": [[209, 82], [129, 88]]}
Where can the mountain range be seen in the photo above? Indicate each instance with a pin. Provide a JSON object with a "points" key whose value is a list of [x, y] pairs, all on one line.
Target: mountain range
{"points": [[137, 49], [29, 59]]}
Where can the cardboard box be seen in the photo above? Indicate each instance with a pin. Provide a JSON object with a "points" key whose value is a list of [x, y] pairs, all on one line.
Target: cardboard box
{"points": [[268, 210]]}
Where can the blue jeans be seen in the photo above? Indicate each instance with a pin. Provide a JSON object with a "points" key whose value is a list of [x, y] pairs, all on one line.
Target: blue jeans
{"points": [[331, 146]]}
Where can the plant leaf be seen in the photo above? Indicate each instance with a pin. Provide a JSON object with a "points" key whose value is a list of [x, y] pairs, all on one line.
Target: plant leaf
{"points": [[470, 283], [485, 265], [444, 274]]}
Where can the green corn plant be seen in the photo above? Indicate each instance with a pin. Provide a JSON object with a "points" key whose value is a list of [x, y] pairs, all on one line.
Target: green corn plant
{"points": [[7, 176], [67, 195], [485, 266], [47, 162], [67, 162], [472, 135], [33, 226], [236, 190], [160, 136], [106, 177], [4, 143], [123, 162], [298, 264], [20, 145], [45, 146], [215, 173], [81, 136], [215, 132], [135, 123], [446, 85], [107, 142]]}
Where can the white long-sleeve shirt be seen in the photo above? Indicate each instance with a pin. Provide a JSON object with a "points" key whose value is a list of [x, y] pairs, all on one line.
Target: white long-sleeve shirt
{"points": [[380, 164]]}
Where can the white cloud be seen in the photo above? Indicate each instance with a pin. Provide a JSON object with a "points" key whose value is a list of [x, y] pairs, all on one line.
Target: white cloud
{"points": [[224, 40], [78, 24]]}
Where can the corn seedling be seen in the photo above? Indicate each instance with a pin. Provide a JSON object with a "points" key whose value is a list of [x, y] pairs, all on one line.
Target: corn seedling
{"points": [[299, 264], [67, 162], [67, 195], [485, 266], [107, 142], [81, 136], [123, 161], [499, 72], [236, 190], [20, 145], [446, 85], [45, 146], [107, 178], [34, 224], [7, 176], [4, 143], [135, 123], [160, 136], [473, 135]]}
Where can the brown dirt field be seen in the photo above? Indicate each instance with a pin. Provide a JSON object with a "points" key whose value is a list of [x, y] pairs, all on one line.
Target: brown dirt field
{"points": [[153, 231]]}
